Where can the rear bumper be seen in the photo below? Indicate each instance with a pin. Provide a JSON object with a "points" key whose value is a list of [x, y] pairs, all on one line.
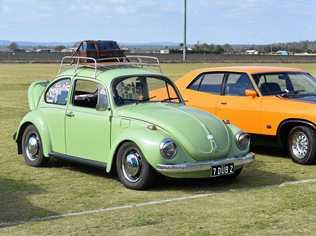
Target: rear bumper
{"points": [[205, 165]]}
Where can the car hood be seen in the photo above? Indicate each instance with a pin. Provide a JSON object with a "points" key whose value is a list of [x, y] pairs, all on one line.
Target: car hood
{"points": [[199, 133]]}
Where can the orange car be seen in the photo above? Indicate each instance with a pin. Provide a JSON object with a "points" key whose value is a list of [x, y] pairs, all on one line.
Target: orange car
{"points": [[272, 101]]}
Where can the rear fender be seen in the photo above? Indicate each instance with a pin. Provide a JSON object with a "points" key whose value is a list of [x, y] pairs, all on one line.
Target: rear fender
{"points": [[35, 92], [34, 118]]}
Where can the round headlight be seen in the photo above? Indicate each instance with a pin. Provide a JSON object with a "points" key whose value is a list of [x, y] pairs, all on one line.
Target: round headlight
{"points": [[168, 148], [242, 140]]}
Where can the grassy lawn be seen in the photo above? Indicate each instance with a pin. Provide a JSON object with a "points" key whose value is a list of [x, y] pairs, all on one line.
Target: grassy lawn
{"points": [[253, 204]]}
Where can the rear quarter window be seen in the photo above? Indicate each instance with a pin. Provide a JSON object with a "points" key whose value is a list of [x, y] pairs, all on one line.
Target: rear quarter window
{"points": [[208, 82], [57, 93]]}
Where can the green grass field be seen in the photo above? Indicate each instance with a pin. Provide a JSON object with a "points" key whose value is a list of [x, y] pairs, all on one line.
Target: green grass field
{"points": [[254, 204]]}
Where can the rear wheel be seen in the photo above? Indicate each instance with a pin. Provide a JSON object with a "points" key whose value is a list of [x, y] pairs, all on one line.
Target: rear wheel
{"points": [[133, 170], [32, 147], [301, 145]]}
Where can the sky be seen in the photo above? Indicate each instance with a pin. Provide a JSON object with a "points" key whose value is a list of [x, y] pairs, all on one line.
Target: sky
{"points": [[141, 21]]}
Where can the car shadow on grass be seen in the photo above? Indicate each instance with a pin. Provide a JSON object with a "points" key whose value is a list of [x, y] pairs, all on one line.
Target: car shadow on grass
{"points": [[15, 208], [253, 176], [77, 167], [277, 152], [268, 146]]}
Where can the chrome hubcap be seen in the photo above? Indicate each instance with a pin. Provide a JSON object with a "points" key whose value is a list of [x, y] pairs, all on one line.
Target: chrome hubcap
{"points": [[300, 144], [32, 147], [131, 166]]}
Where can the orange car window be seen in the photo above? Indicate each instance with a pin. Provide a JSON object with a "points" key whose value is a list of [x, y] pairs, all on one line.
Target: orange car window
{"points": [[237, 84], [208, 82], [285, 82], [195, 85], [212, 83]]}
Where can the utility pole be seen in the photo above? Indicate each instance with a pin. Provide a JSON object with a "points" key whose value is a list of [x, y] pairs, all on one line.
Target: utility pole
{"points": [[185, 32]]}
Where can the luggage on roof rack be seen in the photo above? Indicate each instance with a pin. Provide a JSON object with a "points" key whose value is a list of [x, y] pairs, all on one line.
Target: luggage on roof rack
{"points": [[98, 49]]}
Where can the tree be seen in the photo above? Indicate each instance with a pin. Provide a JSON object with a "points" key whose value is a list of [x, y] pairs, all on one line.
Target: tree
{"points": [[228, 48], [59, 48], [13, 46]]}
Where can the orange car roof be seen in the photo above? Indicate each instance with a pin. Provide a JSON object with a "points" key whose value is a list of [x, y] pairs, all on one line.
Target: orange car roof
{"points": [[250, 69]]}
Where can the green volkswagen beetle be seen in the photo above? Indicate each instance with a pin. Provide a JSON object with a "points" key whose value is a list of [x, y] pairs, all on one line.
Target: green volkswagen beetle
{"points": [[130, 119]]}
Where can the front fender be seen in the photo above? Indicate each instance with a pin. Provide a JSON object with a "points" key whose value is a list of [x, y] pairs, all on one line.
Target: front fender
{"points": [[235, 151], [147, 140], [35, 118]]}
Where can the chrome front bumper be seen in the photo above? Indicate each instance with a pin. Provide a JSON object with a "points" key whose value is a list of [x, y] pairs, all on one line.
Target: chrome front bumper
{"points": [[205, 165]]}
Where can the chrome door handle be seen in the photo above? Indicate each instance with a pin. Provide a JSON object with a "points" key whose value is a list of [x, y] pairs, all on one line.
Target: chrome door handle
{"points": [[70, 114]]}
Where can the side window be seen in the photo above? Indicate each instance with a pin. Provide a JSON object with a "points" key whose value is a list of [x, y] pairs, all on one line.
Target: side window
{"points": [[195, 85], [58, 92], [91, 47], [270, 84], [237, 84], [89, 94], [212, 83]]}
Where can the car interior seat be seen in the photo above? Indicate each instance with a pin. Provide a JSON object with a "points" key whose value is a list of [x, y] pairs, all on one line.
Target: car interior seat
{"points": [[270, 88], [240, 86]]}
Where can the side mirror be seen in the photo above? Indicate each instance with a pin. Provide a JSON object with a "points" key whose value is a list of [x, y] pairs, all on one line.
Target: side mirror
{"points": [[250, 93]]}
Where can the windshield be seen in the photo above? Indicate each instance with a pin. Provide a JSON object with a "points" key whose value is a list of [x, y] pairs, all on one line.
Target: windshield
{"points": [[139, 89], [286, 83]]}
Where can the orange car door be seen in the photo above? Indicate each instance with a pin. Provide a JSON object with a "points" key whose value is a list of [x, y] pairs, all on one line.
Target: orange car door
{"points": [[239, 109], [204, 91]]}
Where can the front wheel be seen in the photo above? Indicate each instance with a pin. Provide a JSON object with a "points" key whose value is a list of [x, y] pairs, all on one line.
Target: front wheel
{"points": [[301, 145], [32, 147], [132, 168]]}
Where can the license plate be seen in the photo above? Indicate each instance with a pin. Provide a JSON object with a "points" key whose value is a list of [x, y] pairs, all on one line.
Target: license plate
{"points": [[222, 170]]}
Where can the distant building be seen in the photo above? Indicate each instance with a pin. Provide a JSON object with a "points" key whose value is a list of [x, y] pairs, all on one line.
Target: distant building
{"points": [[67, 50], [252, 52], [164, 51], [44, 50], [282, 53]]}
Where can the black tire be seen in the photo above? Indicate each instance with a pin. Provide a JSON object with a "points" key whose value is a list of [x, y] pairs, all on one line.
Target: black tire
{"points": [[301, 145], [35, 157], [143, 174]]}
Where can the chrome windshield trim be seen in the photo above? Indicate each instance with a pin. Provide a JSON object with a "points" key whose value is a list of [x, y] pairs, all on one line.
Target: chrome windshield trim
{"points": [[205, 165]]}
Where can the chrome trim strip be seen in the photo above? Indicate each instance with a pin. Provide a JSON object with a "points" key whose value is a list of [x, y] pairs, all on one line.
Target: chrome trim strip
{"points": [[205, 165]]}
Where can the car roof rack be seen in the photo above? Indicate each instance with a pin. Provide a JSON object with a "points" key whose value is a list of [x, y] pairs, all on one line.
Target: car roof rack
{"points": [[77, 62]]}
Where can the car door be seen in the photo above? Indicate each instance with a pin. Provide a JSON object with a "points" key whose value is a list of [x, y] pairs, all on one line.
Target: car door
{"points": [[87, 127], [237, 108], [53, 110], [204, 91]]}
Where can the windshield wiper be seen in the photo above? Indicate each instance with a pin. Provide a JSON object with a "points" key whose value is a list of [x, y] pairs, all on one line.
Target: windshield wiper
{"points": [[145, 100], [169, 99], [137, 100]]}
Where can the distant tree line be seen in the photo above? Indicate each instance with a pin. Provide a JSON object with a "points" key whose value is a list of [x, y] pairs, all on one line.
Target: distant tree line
{"points": [[15, 47], [291, 47]]}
